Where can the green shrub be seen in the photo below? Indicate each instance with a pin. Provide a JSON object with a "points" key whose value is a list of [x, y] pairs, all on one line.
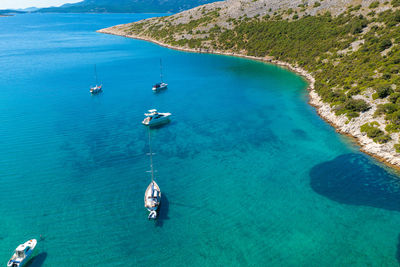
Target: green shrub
{"points": [[374, 4], [391, 128], [358, 105], [387, 108], [317, 4], [381, 139], [352, 114], [383, 91], [386, 76], [371, 130], [375, 133], [394, 97], [397, 147], [395, 3], [353, 91], [356, 8], [357, 25], [394, 117], [385, 44]]}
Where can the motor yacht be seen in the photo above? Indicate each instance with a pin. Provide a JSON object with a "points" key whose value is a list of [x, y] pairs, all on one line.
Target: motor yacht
{"points": [[22, 253]]}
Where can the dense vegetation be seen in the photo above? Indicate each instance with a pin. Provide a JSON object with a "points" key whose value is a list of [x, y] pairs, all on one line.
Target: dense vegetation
{"points": [[127, 6], [350, 55]]}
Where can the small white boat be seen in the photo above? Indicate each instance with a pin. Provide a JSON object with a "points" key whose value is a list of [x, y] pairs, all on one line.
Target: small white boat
{"points": [[98, 88], [22, 253], [162, 85], [154, 118], [152, 199], [159, 86]]}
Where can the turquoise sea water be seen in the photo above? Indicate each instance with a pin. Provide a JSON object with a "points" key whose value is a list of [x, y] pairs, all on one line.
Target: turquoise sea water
{"points": [[250, 175]]}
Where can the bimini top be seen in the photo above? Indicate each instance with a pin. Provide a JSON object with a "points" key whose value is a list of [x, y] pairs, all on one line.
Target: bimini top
{"points": [[152, 112], [21, 247]]}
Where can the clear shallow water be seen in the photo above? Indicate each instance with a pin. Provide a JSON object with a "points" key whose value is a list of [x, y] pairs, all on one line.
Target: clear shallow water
{"points": [[250, 174]]}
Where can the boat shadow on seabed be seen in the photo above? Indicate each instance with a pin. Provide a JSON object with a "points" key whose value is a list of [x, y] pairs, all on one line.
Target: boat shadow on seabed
{"points": [[162, 211], [37, 261], [162, 125]]}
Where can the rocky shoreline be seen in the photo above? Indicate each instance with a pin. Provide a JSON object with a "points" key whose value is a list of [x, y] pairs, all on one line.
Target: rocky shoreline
{"points": [[383, 152]]}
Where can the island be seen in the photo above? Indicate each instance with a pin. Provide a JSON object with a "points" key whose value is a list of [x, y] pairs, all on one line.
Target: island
{"points": [[124, 6], [348, 51]]}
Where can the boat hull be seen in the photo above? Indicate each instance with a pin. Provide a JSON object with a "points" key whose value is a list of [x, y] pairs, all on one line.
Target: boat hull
{"points": [[161, 87], [150, 195], [152, 199], [97, 89]]}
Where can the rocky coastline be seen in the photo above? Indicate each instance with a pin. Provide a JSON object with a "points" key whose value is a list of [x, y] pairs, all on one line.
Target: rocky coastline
{"points": [[382, 152]]}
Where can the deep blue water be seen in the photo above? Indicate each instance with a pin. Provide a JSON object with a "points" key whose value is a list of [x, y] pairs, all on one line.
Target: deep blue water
{"points": [[250, 174]]}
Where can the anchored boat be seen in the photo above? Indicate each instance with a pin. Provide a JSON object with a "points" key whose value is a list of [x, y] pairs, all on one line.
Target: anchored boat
{"points": [[152, 196], [97, 88], [22, 253], [161, 85], [152, 199], [154, 118]]}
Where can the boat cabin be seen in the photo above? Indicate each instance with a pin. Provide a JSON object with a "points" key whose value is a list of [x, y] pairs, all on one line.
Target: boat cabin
{"points": [[153, 114], [157, 116], [21, 251], [154, 196]]}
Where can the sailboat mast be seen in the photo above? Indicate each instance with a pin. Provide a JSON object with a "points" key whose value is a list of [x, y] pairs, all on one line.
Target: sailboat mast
{"points": [[151, 158], [161, 70], [95, 73]]}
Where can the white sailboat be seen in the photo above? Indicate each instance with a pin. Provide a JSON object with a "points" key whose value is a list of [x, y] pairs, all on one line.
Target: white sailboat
{"points": [[161, 85], [152, 196], [97, 88], [22, 253]]}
